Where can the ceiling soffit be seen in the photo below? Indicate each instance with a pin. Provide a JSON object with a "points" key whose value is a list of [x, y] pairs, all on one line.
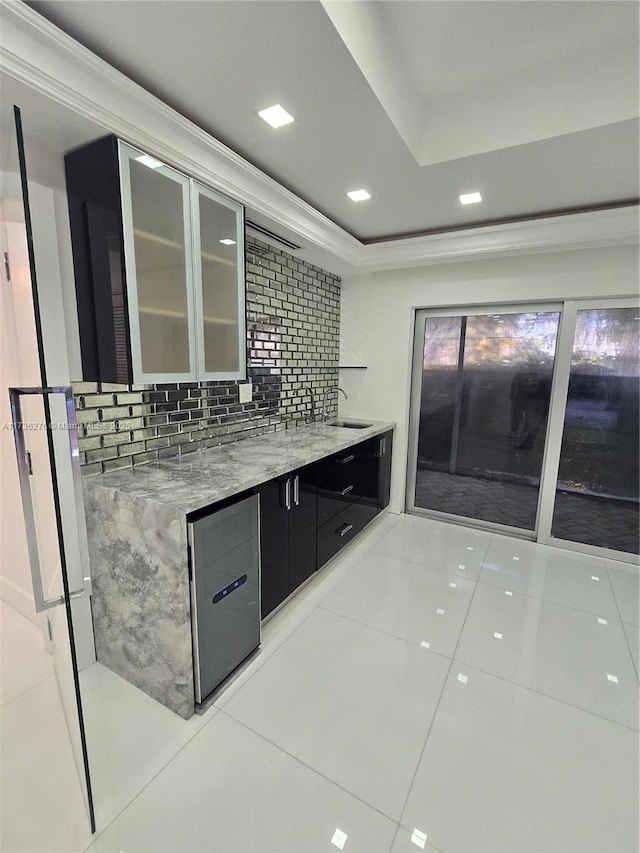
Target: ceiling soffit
{"points": [[590, 88]]}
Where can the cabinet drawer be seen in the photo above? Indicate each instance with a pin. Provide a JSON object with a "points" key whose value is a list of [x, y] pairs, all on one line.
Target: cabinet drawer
{"points": [[342, 528], [356, 466], [331, 501], [330, 471]]}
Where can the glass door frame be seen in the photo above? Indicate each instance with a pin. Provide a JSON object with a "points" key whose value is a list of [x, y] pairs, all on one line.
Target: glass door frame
{"points": [[197, 190], [568, 310], [60, 448], [126, 153], [557, 412], [421, 315]]}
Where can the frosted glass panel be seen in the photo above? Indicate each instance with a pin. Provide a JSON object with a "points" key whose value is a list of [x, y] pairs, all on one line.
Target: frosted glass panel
{"points": [[597, 491], [157, 202], [220, 283]]}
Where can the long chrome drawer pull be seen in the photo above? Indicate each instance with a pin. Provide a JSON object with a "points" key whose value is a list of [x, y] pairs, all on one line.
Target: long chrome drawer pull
{"points": [[342, 531], [345, 460], [347, 490]]}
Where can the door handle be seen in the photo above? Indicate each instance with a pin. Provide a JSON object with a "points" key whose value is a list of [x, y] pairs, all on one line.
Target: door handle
{"points": [[346, 491], [296, 490], [342, 531], [382, 446], [345, 459], [287, 493], [26, 474]]}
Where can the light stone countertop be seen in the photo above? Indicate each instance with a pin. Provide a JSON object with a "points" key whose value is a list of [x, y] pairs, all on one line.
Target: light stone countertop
{"points": [[196, 480]]}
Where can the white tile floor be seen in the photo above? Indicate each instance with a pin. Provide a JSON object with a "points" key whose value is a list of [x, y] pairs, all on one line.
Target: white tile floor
{"points": [[425, 691], [41, 805]]}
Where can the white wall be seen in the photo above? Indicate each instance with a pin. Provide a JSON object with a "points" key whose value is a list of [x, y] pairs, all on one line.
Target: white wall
{"points": [[18, 366], [377, 312]]}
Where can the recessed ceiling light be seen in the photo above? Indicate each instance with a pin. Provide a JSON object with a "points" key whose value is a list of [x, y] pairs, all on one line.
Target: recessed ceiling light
{"points": [[358, 195], [228, 242], [276, 116], [151, 162], [470, 198]]}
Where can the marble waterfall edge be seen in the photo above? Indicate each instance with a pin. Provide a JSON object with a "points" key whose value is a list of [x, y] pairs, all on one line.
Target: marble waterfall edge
{"points": [[140, 602]]}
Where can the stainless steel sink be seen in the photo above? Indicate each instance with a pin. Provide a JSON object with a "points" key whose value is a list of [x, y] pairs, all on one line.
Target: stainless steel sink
{"points": [[348, 425]]}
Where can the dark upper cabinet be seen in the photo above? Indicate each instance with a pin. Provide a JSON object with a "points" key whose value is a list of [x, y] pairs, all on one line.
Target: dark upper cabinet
{"points": [[288, 528], [159, 268], [95, 212]]}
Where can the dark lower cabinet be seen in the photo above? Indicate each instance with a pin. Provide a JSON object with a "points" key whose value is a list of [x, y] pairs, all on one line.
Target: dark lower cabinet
{"points": [[384, 450], [274, 548], [288, 532], [353, 487], [343, 528], [303, 527], [308, 516]]}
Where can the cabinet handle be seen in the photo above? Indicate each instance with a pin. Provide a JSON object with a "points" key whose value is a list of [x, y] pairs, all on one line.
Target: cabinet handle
{"points": [[381, 447], [342, 531], [345, 460], [296, 490], [287, 494], [347, 490]]}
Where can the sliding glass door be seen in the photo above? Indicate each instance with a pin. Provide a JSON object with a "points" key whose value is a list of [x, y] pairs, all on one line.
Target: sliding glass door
{"points": [[527, 417], [484, 388], [596, 492]]}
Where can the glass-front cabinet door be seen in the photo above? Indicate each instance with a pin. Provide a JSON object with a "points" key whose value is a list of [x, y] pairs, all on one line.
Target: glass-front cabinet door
{"points": [[218, 228], [159, 267]]}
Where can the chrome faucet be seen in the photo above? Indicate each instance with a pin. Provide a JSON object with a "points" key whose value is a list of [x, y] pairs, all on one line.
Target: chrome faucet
{"points": [[313, 405], [324, 401]]}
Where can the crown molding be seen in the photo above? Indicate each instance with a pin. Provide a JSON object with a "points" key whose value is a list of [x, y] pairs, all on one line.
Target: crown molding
{"points": [[39, 55], [590, 229]]}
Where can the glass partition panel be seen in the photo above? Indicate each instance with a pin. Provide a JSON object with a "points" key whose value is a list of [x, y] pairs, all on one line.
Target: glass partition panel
{"points": [[40, 474], [597, 489]]}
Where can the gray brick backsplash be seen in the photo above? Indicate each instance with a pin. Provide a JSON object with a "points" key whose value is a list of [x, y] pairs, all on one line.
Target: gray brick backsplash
{"points": [[116, 464], [293, 317]]}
